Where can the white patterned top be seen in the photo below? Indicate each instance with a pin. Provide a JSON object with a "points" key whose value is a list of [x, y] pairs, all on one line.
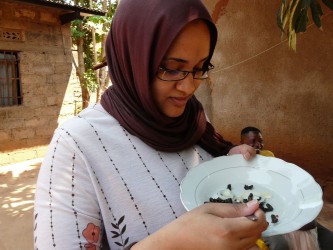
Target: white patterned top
{"points": [[97, 178]]}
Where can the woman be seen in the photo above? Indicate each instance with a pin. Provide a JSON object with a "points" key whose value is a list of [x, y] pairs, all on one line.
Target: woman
{"points": [[115, 170]]}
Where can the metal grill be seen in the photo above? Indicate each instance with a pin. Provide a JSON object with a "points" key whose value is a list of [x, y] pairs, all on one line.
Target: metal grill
{"points": [[10, 84]]}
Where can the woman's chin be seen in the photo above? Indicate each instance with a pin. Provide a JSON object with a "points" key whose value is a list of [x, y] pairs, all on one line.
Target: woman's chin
{"points": [[174, 113]]}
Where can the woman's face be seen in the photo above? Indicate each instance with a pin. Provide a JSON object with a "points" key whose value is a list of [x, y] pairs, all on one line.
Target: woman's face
{"points": [[188, 52]]}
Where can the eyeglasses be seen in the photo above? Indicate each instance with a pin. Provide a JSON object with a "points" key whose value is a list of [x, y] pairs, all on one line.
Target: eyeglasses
{"points": [[172, 75]]}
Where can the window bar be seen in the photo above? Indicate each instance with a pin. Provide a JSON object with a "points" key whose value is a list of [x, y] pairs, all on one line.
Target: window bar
{"points": [[13, 80], [10, 89]]}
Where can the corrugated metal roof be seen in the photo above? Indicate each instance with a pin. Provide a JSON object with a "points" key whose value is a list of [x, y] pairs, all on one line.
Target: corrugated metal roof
{"points": [[64, 6]]}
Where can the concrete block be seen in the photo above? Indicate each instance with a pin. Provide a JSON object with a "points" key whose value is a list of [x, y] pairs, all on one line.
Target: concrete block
{"points": [[48, 112], [29, 57], [63, 68], [20, 113], [3, 114], [52, 101], [33, 122], [42, 69], [57, 58], [46, 131], [25, 13], [14, 123], [41, 91], [4, 135], [36, 102], [52, 39], [23, 133], [60, 79], [48, 17]]}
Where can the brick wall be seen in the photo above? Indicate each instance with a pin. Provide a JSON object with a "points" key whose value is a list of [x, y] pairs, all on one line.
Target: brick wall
{"points": [[50, 87]]}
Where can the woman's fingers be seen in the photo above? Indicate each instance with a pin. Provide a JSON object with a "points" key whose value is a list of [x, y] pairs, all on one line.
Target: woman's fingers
{"points": [[231, 210], [237, 215], [210, 226], [242, 232], [242, 227], [231, 221]]}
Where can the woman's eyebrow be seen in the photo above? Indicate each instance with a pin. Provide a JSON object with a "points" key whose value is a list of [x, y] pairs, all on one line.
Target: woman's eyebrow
{"points": [[182, 60]]}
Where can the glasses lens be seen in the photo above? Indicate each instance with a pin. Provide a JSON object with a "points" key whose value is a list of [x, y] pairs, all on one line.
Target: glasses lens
{"points": [[203, 74], [200, 74], [166, 74], [171, 75]]}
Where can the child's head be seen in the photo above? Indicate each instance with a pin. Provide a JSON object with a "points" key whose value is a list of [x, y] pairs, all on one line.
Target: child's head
{"points": [[252, 136]]}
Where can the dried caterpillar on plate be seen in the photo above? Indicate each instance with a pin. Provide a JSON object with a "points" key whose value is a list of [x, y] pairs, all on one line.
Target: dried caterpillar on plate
{"points": [[227, 196]]}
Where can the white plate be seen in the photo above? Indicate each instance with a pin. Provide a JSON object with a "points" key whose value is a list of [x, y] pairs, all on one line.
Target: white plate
{"points": [[296, 196]]}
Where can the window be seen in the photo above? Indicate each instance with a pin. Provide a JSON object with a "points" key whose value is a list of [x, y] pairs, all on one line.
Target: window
{"points": [[10, 84]]}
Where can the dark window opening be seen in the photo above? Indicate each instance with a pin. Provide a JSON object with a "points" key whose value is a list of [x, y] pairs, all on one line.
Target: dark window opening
{"points": [[10, 84]]}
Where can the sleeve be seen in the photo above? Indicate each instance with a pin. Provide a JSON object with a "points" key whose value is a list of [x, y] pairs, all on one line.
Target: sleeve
{"points": [[67, 214]]}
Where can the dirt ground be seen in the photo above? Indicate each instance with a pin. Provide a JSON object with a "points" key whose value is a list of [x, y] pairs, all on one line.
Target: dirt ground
{"points": [[17, 187]]}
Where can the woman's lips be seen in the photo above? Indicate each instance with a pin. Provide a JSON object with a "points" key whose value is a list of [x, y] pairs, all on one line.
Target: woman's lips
{"points": [[179, 101]]}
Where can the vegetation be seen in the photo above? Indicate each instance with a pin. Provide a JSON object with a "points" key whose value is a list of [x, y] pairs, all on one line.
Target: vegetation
{"points": [[293, 17], [89, 35]]}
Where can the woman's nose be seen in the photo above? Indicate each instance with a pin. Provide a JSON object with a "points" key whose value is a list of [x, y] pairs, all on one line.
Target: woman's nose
{"points": [[188, 85]]}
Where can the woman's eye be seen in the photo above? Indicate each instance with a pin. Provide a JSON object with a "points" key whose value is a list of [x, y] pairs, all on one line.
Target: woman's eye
{"points": [[198, 71], [172, 71]]}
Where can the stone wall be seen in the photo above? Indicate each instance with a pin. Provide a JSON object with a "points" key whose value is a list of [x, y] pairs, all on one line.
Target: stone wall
{"points": [[49, 84]]}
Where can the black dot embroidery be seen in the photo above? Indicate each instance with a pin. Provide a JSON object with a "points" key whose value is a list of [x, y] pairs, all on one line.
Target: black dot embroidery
{"points": [[148, 171]]}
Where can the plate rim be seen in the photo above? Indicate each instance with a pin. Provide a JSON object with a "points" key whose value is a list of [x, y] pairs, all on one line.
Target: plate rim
{"points": [[257, 163]]}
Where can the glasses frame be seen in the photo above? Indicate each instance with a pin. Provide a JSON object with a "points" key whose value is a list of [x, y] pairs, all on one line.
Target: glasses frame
{"points": [[185, 73]]}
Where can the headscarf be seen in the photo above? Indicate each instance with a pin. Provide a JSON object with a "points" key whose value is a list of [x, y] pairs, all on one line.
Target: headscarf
{"points": [[140, 36]]}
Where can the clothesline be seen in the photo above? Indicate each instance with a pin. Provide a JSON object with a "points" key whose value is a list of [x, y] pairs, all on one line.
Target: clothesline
{"points": [[262, 52]]}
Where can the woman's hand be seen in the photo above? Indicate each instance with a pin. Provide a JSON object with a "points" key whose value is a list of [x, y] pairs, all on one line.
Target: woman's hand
{"points": [[247, 151], [212, 226]]}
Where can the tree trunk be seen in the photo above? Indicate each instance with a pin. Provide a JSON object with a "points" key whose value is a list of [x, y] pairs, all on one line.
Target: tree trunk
{"points": [[93, 34], [104, 79], [80, 69], [80, 73]]}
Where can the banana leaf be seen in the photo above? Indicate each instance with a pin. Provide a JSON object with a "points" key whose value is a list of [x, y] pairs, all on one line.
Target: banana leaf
{"points": [[306, 3], [292, 40], [295, 14], [301, 21], [286, 15], [316, 13], [279, 17], [328, 3]]}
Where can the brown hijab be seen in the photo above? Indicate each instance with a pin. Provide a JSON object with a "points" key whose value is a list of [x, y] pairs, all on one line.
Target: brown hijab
{"points": [[141, 33]]}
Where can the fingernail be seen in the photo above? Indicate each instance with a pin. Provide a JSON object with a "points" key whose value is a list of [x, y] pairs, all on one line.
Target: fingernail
{"points": [[252, 217], [251, 203]]}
